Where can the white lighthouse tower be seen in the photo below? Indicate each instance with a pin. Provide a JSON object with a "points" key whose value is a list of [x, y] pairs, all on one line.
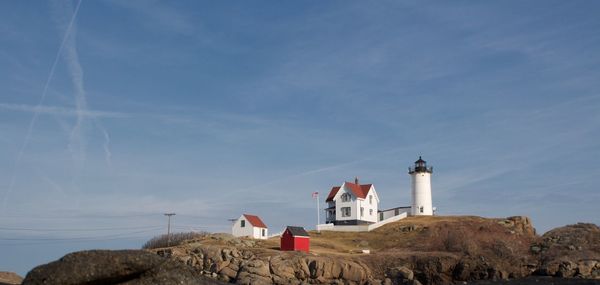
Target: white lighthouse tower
{"points": [[421, 188]]}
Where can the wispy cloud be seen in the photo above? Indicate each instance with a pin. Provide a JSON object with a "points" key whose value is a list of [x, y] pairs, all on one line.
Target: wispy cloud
{"points": [[157, 15], [68, 29], [77, 143], [55, 186], [61, 111], [317, 171], [106, 145]]}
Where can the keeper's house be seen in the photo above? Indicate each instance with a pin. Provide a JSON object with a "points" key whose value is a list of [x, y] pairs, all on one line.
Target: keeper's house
{"points": [[352, 204]]}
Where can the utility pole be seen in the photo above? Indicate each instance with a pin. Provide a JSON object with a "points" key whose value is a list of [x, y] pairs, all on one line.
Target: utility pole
{"points": [[169, 228]]}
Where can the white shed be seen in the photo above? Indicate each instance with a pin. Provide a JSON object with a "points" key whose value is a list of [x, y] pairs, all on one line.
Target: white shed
{"points": [[250, 226]]}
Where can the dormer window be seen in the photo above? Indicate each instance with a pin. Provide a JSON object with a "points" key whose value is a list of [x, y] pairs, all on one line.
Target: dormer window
{"points": [[346, 197]]}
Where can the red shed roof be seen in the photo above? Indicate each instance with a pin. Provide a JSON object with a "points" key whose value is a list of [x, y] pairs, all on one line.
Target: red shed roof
{"points": [[255, 221], [297, 231], [358, 190]]}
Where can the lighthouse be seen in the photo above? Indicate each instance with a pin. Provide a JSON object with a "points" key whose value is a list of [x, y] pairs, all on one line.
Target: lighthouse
{"points": [[420, 176]]}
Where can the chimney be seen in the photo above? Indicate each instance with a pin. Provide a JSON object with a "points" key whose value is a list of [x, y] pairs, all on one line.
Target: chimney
{"points": [[356, 180]]}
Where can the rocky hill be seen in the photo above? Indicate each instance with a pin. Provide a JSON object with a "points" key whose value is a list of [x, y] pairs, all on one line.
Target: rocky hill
{"points": [[416, 250], [570, 251], [430, 250]]}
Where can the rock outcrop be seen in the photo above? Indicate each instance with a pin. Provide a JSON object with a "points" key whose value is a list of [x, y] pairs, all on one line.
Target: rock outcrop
{"points": [[569, 251], [519, 224], [10, 278], [131, 267], [260, 266]]}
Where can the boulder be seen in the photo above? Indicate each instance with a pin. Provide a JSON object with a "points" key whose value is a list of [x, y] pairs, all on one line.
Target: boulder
{"points": [[353, 272], [256, 267], [400, 273], [132, 267], [10, 278], [521, 225], [570, 251]]}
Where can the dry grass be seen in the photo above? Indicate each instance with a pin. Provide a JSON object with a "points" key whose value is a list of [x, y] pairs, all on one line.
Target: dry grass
{"points": [[460, 234], [416, 236], [172, 240]]}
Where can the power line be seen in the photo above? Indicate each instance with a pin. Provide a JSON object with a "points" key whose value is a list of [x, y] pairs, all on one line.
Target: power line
{"points": [[72, 241], [80, 238], [80, 216], [74, 229]]}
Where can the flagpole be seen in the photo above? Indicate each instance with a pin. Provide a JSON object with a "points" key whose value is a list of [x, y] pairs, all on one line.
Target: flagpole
{"points": [[318, 211]]}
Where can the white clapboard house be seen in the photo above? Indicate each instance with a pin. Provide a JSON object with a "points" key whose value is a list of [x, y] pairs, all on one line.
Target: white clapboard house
{"points": [[250, 226], [352, 204]]}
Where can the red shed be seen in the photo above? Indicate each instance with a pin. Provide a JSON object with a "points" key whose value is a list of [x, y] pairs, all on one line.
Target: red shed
{"points": [[295, 238]]}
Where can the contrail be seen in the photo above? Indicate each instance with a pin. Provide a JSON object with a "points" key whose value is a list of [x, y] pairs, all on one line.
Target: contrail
{"points": [[11, 185], [106, 145], [76, 139], [319, 170]]}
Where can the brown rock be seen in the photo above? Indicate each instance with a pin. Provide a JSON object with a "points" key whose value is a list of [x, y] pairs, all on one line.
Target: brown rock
{"points": [[291, 267], [10, 278], [401, 273], [352, 271], [282, 267], [249, 279], [114, 267], [229, 272], [255, 267], [566, 269]]}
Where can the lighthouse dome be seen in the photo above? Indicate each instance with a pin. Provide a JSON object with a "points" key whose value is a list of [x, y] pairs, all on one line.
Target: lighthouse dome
{"points": [[420, 166]]}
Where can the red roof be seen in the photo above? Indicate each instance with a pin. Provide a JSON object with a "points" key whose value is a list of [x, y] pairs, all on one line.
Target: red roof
{"points": [[334, 191], [358, 190], [255, 221]]}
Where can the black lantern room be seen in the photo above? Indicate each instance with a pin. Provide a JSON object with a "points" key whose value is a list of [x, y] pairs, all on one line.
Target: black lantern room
{"points": [[420, 167]]}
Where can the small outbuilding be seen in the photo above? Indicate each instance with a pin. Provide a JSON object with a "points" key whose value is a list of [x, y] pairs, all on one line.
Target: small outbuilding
{"points": [[249, 226], [295, 239]]}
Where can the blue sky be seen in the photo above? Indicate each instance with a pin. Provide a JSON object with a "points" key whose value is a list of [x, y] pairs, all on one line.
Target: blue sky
{"points": [[212, 109]]}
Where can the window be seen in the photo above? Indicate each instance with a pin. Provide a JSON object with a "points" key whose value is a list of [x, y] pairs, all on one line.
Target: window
{"points": [[362, 211], [242, 223], [381, 216], [371, 199], [346, 197], [421, 209], [264, 232], [370, 212], [346, 212]]}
